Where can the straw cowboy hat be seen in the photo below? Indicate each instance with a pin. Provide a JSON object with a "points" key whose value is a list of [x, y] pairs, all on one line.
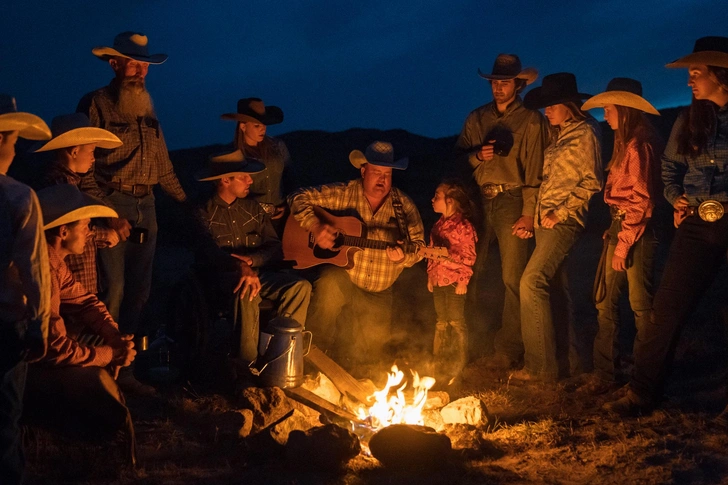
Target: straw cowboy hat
{"points": [[29, 126], [710, 51], [228, 165], [253, 109], [508, 66], [132, 45], [75, 129], [621, 91], [64, 204], [555, 89], [378, 153]]}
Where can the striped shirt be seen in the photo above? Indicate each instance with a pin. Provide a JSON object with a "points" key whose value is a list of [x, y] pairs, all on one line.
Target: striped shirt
{"points": [[373, 270]]}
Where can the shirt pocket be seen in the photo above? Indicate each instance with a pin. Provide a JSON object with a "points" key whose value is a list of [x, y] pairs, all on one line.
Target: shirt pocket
{"points": [[119, 128]]}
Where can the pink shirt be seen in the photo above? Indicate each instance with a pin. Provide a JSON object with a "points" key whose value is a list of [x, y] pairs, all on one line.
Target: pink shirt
{"points": [[458, 236]]}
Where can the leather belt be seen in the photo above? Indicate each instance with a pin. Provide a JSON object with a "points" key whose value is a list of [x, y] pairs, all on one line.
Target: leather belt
{"points": [[491, 191], [709, 210], [135, 190]]}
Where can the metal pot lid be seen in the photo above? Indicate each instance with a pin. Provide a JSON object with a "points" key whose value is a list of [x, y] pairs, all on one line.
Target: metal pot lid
{"points": [[282, 324]]}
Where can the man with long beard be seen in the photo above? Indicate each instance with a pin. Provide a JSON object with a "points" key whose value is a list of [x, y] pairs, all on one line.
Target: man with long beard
{"points": [[127, 175]]}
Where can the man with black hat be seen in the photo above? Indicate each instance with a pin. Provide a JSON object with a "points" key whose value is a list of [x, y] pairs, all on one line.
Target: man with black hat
{"points": [[504, 143], [242, 227], [365, 285], [24, 285], [129, 173]]}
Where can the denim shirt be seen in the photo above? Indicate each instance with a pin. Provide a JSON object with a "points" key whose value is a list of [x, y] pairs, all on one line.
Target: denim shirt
{"points": [[702, 177]]}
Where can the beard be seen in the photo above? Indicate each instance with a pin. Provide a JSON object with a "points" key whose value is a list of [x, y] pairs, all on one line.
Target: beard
{"points": [[134, 99]]}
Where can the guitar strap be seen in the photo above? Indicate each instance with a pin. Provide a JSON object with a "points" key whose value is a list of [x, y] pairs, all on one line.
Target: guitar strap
{"points": [[400, 215]]}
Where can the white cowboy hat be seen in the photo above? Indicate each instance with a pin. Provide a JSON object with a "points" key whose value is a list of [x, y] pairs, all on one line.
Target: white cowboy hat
{"points": [[621, 91], [710, 51], [29, 126], [75, 129], [64, 203]]}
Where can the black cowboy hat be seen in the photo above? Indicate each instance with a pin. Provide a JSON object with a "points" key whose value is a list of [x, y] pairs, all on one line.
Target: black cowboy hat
{"points": [[229, 164], [253, 109], [132, 45], [555, 89], [508, 66]]}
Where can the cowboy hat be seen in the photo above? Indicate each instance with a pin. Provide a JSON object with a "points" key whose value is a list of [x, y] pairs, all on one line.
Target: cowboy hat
{"points": [[378, 153], [253, 109], [28, 126], [508, 66], [75, 129], [132, 45], [555, 89], [710, 51], [64, 204], [228, 165], [621, 91]]}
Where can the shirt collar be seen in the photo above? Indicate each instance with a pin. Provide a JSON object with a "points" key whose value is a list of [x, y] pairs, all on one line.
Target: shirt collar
{"points": [[515, 104]]}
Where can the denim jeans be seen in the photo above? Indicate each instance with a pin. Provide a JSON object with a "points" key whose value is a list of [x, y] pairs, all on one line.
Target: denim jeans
{"points": [[539, 335], [638, 279], [339, 306], [449, 306], [127, 267], [12, 386], [500, 214], [697, 252]]}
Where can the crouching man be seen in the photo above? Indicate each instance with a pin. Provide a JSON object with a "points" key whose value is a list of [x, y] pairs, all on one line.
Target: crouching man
{"points": [[241, 227], [73, 386]]}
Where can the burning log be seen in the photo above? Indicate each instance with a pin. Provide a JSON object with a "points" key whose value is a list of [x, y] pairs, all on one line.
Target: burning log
{"points": [[320, 404], [343, 381], [410, 447]]}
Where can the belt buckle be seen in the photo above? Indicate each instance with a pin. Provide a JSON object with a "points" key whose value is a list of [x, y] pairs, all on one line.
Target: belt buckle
{"points": [[710, 210], [490, 191]]}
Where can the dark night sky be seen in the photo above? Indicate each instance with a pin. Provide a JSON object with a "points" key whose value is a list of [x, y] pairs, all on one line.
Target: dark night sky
{"points": [[333, 65]]}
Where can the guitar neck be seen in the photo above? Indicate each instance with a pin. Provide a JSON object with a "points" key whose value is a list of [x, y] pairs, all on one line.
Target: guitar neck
{"points": [[360, 242]]}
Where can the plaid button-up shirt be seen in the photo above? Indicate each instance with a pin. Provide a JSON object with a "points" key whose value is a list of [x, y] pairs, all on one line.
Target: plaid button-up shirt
{"points": [[69, 298], [83, 266], [372, 270], [700, 178], [142, 159]]}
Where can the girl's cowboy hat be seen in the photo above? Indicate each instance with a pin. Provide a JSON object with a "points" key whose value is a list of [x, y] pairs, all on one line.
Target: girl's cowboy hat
{"points": [[29, 126], [621, 91], [378, 153], [228, 165], [508, 66], [132, 45], [64, 204], [253, 109], [75, 129], [555, 89], [710, 51]]}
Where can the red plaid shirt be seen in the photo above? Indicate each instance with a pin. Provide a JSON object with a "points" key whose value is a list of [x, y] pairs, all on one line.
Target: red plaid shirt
{"points": [[72, 299]]}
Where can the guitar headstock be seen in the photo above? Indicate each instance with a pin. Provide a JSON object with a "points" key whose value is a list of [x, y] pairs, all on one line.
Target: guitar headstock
{"points": [[436, 253]]}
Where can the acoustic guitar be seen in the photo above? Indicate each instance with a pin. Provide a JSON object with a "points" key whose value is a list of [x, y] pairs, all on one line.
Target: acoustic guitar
{"points": [[299, 245]]}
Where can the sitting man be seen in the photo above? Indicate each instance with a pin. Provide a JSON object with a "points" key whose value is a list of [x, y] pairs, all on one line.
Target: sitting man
{"points": [[72, 386], [241, 227], [366, 286]]}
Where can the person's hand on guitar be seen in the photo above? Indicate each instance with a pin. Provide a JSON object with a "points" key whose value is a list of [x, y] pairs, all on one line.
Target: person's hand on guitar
{"points": [[324, 235], [395, 253], [249, 281]]}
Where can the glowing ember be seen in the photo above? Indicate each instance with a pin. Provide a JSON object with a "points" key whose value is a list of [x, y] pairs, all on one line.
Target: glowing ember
{"points": [[390, 405]]}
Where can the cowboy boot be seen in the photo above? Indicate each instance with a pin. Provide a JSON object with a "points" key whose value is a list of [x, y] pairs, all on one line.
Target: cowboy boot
{"points": [[460, 345]]}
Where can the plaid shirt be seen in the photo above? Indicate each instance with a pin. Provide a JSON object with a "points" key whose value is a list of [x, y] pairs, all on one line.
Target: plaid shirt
{"points": [[24, 280], [572, 169], [142, 159], [631, 187], [72, 299], [700, 178], [83, 266], [372, 270]]}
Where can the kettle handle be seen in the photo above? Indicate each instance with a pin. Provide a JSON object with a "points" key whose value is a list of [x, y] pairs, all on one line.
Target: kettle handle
{"points": [[253, 366], [307, 346]]}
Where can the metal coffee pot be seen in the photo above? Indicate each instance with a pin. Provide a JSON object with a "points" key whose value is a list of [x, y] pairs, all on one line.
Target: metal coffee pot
{"points": [[282, 345]]}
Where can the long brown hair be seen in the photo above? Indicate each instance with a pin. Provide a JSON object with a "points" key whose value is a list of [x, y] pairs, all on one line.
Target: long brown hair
{"points": [[455, 191], [700, 119], [633, 125], [260, 151]]}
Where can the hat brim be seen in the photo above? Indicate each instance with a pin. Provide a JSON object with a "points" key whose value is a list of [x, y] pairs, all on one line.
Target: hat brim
{"points": [[83, 136], [357, 159], [64, 204], [528, 74], [708, 58], [534, 99], [86, 212], [104, 53], [229, 165], [620, 98], [28, 126], [273, 116]]}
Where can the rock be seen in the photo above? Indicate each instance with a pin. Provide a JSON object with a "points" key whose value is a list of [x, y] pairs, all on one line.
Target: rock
{"points": [[323, 388], [471, 442], [305, 410], [269, 405], [324, 448], [296, 421], [433, 419], [436, 400], [410, 447], [468, 410], [232, 424]]}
